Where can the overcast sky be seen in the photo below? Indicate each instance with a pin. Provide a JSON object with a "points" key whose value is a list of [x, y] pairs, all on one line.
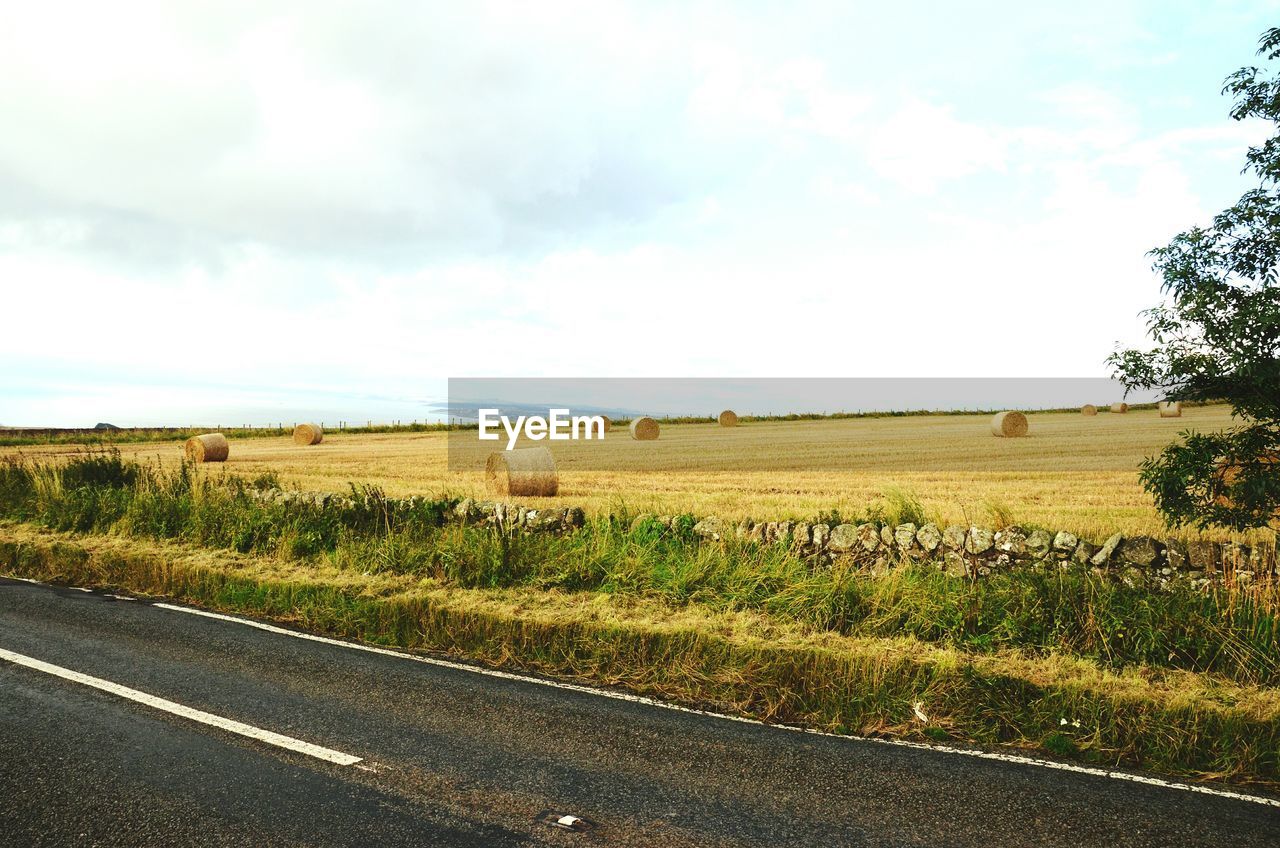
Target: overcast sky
{"points": [[226, 211]]}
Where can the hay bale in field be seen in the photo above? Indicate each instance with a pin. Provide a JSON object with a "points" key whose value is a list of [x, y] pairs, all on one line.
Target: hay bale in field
{"points": [[728, 418], [308, 434], [608, 423], [644, 429], [1170, 408], [207, 447], [1088, 409], [522, 472], [1121, 408], [1010, 425]]}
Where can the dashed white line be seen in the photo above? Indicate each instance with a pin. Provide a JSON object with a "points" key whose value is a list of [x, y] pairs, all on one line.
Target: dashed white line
{"points": [[230, 725], [640, 699]]}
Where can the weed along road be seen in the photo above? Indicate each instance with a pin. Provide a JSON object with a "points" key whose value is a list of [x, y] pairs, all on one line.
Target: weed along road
{"points": [[128, 722]]}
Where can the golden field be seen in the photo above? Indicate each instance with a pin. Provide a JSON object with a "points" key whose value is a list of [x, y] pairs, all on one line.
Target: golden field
{"points": [[1072, 472]]}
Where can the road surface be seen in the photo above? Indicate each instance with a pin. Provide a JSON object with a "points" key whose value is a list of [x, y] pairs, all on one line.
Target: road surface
{"points": [[124, 722]]}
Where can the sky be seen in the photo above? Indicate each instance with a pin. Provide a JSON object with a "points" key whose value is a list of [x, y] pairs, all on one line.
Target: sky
{"points": [[259, 212]]}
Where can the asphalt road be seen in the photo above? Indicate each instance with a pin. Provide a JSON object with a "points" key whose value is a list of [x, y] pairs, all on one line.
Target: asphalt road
{"points": [[452, 757]]}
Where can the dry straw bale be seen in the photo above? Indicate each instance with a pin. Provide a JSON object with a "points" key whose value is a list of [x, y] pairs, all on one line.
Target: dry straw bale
{"points": [[1120, 407], [728, 418], [1170, 409], [208, 447], [644, 429], [308, 434], [1009, 424], [1088, 409], [522, 472]]}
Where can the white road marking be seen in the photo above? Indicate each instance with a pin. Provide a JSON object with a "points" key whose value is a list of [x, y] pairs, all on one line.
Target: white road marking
{"points": [[640, 699], [201, 716]]}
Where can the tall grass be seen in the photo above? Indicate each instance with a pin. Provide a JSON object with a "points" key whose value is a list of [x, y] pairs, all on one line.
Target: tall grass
{"points": [[101, 492], [1233, 630]]}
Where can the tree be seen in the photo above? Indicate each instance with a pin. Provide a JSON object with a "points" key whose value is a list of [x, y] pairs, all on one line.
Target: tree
{"points": [[1217, 337]]}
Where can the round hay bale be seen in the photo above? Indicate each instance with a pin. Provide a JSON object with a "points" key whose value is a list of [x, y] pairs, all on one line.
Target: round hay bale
{"points": [[608, 423], [1170, 408], [1088, 409], [522, 472], [1010, 425], [728, 418], [644, 429], [308, 434], [1121, 408], [207, 447]]}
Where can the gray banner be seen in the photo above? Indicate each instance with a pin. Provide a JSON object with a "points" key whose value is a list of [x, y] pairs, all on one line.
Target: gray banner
{"points": [[814, 424]]}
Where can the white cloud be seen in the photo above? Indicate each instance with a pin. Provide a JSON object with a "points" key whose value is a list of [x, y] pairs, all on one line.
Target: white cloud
{"points": [[297, 130], [406, 193], [922, 145]]}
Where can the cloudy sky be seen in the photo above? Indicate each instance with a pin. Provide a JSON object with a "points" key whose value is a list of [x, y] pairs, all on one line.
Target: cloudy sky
{"points": [[228, 212]]}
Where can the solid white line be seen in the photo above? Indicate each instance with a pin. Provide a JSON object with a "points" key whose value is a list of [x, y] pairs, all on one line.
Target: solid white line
{"points": [[201, 716], [640, 699]]}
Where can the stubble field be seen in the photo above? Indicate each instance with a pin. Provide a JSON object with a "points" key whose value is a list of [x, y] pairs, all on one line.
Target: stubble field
{"points": [[1072, 472]]}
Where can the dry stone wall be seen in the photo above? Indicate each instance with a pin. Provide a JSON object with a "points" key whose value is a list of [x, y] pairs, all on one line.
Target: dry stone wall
{"points": [[973, 551], [959, 550]]}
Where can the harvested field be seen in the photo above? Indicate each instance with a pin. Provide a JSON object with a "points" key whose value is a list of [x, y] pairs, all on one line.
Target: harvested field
{"points": [[1071, 472]]}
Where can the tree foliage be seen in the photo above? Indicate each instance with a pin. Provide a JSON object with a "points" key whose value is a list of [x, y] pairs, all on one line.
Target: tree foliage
{"points": [[1217, 337]]}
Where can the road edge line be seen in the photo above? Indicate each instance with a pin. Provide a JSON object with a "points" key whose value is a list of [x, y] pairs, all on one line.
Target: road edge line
{"points": [[174, 708], [652, 702]]}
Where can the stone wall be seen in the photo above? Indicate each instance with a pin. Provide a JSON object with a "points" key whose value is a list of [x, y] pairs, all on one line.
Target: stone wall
{"points": [[479, 513], [974, 551], [516, 517], [962, 551]]}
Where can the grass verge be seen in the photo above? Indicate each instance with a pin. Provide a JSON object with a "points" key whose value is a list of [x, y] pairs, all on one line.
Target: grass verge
{"points": [[740, 661], [1232, 631]]}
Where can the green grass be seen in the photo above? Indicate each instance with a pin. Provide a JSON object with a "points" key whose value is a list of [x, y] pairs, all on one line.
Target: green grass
{"points": [[1233, 631]]}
